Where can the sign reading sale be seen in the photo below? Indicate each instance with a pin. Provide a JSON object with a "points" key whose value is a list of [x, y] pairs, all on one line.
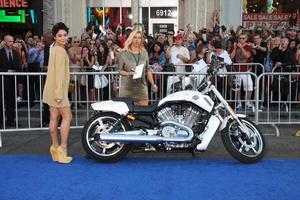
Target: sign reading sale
{"points": [[273, 21]]}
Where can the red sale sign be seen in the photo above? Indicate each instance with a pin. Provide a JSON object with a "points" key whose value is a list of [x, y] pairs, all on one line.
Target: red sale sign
{"points": [[273, 21]]}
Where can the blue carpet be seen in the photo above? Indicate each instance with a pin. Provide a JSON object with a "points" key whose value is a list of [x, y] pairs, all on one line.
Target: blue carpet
{"points": [[36, 177]]}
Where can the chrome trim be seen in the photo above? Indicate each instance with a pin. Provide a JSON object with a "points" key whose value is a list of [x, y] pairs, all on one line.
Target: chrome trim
{"points": [[138, 136]]}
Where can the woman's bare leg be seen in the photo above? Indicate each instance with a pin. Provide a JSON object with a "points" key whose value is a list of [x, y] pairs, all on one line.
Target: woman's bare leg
{"points": [[54, 116], [65, 125]]}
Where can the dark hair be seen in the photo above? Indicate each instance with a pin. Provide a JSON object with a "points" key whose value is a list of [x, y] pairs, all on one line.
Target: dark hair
{"points": [[292, 41], [293, 22], [59, 26], [200, 47], [217, 44], [160, 45], [101, 58]]}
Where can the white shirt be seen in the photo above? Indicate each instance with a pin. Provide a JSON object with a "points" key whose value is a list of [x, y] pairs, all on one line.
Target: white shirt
{"points": [[227, 60], [174, 52], [225, 55]]}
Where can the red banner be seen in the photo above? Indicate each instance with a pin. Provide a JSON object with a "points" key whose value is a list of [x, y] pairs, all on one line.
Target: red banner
{"points": [[273, 21]]}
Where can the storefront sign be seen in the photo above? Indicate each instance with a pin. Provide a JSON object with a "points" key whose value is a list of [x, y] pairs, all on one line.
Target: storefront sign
{"points": [[163, 12], [18, 18], [13, 4], [162, 28], [273, 21]]}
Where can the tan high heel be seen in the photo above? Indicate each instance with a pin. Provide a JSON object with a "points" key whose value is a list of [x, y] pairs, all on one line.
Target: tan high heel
{"points": [[62, 155], [53, 152]]}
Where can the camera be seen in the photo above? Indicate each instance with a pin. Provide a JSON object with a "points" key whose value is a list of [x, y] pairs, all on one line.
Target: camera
{"points": [[223, 28]]}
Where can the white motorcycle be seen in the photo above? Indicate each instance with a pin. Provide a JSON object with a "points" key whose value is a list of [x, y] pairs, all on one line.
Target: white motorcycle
{"points": [[184, 120]]}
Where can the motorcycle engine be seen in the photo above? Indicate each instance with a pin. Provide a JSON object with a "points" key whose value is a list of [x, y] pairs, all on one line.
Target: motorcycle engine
{"points": [[185, 114]]}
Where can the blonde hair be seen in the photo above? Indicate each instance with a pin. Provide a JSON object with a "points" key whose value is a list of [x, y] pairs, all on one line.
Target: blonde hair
{"points": [[75, 38], [129, 41]]}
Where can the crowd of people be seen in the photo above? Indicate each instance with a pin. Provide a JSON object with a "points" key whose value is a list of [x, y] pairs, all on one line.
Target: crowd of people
{"points": [[102, 46]]}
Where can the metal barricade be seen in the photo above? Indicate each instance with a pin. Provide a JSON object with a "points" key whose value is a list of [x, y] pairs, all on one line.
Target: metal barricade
{"points": [[225, 82], [29, 112], [281, 105]]}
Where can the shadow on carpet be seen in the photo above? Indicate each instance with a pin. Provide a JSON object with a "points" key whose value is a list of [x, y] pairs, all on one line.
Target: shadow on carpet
{"points": [[37, 177]]}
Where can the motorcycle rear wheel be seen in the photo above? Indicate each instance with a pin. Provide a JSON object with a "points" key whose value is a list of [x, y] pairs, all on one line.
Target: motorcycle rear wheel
{"points": [[238, 146], [99, 150]]}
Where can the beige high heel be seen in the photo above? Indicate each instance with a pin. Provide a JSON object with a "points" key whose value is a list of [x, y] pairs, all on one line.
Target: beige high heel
{"points": [[53, 152], [62, 155]]}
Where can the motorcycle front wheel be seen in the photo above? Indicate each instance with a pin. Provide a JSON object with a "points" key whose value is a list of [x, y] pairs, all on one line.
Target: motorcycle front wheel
{"points": [[245, 149], [99, 150]]}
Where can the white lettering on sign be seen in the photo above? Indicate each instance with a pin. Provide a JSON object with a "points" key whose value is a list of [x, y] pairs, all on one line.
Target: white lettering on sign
{"points": [[164, 13], [273, 21]]}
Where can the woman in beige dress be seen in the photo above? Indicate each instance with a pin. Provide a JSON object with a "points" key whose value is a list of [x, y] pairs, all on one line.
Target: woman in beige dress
{"points": [[56, 94], [134, 54]]}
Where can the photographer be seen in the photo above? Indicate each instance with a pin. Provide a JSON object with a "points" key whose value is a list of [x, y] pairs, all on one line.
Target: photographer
{"points": [[241, 53], [225, 60]]}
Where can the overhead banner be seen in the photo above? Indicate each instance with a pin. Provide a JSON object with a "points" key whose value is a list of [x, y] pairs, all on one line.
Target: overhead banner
{"points": [[273, 21]]}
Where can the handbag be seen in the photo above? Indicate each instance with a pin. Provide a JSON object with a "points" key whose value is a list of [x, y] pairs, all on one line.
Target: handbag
{"points": [[83, 80], [100, 81], [71, 87]]}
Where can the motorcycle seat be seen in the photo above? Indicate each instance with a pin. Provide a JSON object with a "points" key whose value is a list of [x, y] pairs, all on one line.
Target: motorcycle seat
{"points": [[132, 108], [146, 109], [127, 100]]}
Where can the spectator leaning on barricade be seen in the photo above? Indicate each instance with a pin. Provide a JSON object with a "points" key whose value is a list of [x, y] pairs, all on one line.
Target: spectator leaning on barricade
{"points": [[259, 52], [177, 54], [218, 51], [35, 63], [87, 62], [241, 53], [21, 79], [103, 59], [283, 60], [74, 53], [190, 45], [9, 62], [157, 60]]}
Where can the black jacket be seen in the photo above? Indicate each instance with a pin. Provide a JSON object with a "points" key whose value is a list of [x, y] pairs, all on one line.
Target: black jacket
{"points": [[285, 57], [4, 64]]}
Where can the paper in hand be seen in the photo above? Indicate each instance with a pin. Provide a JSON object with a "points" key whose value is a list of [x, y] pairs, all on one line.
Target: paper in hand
{"points": [[97, 67], [138, 71], [199, 66]]}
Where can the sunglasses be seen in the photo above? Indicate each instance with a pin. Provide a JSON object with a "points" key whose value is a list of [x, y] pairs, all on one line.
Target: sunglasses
{"points": [[242, 38], [76, 41]]}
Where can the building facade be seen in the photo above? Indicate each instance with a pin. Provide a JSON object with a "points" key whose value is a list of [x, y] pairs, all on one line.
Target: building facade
{"points": [[155, 15]]}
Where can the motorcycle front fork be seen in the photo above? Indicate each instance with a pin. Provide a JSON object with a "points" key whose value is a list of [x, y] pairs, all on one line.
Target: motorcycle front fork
{"points": [[225, 105]]}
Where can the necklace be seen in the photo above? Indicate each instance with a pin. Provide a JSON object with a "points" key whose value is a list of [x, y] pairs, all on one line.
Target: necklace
{"points": [[137, 60]]}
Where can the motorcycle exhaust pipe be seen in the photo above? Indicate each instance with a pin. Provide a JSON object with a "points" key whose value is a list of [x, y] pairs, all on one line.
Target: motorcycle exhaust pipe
{"points": [[139, 138], [143, 136]]}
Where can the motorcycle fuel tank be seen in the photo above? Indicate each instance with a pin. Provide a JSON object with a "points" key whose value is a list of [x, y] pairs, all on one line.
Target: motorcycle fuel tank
{"points": [[203, 101]]}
